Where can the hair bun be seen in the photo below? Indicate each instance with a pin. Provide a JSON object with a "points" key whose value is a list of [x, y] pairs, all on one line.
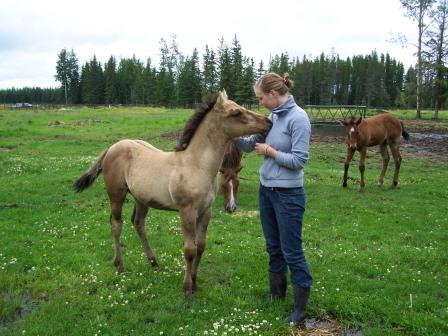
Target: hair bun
{"points": [[286, 80]]}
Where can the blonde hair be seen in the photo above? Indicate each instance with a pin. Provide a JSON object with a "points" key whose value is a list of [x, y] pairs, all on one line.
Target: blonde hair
{"points": [[272, 81]]}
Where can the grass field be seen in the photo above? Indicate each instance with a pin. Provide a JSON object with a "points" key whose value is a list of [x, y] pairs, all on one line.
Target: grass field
{"points": [[379, 259]]}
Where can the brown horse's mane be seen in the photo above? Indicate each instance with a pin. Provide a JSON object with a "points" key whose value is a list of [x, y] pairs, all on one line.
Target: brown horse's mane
{"points": [[231, 157], [192, 125]]}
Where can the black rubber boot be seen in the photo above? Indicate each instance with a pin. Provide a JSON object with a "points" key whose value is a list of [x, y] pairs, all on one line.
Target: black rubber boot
{"points": [[277, 285], [301, 295]]}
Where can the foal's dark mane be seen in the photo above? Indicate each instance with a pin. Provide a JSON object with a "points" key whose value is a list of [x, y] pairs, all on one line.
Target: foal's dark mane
{"points": [[192, 125], [231, 157]]}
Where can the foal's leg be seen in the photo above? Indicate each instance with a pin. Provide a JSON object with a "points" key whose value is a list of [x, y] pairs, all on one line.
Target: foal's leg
{"points": [[201, 232], [394, 148], [362, 167], [350, 153], [138, 219], [385, 155], [189, 217], [116, 204]]}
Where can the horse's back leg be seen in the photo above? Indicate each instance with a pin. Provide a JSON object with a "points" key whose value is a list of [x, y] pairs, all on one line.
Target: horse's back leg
{"points": [[385, 155], [138, 220], [350, 153], [201, 232], [116, 203], [395, 149]]}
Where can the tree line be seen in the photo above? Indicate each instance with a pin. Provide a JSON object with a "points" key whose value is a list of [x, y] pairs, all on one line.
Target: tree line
{"points": [[375, 80]]}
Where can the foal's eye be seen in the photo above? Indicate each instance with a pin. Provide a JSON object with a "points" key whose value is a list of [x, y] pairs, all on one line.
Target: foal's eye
{"points": [[235, 113]]}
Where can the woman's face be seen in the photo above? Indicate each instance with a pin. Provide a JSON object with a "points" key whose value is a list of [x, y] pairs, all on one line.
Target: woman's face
{"points": [[269, 100]]}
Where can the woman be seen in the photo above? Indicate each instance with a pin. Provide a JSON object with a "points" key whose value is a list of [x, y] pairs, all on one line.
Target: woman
{"points": [[281, 193]]}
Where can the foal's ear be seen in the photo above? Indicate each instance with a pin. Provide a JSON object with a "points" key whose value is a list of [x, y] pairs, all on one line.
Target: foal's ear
{"points": [[224, 94], [358, 121], [342, 122], [222, 97]]}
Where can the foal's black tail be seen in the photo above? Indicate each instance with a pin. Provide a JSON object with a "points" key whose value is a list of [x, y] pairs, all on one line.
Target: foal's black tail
{"points": [[87, 179], [403, 132]]}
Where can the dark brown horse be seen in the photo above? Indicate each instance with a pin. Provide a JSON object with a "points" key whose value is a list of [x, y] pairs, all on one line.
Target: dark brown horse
{"points": [[382, 130], [184, 180], [229, 179]]}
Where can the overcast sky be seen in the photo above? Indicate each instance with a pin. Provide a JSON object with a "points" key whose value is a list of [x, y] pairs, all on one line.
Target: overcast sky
{"points": [[32, 32]]}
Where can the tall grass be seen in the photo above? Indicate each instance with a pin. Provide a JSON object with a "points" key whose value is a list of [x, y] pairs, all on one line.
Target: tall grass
{"points": [[378, 258]]}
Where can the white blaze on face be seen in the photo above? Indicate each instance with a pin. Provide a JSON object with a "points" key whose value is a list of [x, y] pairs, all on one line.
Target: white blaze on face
{"points": [[232, 198], [352, 130]]}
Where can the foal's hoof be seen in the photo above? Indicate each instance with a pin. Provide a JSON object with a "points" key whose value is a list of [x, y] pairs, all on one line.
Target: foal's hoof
{"points": [[118, 266], [154, 263], [189, 295]]}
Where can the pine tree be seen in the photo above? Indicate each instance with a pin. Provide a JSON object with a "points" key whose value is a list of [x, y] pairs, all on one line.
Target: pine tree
{"points": [[209, 73], [247, 95], [260, 70], [92, 83], [189, 82], [236, 59], [110, 81], [225, 68], [149, 83]]}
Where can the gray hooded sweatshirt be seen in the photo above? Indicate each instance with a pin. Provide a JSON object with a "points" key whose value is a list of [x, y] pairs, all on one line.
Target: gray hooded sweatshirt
{"points": [[290, 136]]}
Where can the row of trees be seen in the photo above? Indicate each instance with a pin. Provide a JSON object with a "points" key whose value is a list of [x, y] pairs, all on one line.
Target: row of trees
{"points": [[373, 80]]}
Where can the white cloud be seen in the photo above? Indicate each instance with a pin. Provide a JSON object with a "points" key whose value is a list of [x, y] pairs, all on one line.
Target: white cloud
{"points": [[33, 32]]}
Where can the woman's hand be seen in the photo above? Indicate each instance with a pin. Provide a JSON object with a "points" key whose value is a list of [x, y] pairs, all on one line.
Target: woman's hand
{"points": [[265, 149]]}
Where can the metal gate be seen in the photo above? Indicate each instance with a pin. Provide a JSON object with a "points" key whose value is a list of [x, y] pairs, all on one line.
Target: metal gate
{"points": [[332, 113]]}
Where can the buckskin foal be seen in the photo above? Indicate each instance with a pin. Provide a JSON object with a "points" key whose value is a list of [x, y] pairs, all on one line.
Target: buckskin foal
{"points": [[184, 180], [383, 130]]}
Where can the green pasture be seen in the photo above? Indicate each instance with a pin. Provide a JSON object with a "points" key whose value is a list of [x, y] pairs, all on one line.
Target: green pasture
{"points": [[379, 258]]}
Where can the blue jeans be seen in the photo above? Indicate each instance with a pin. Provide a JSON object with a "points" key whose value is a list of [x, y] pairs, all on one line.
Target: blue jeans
{"points": [[281, 213]]}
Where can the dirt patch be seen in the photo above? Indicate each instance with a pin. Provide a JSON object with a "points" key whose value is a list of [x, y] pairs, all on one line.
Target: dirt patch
{"points": [[426, 139], [6, 148], [325, 326], [56, 123], [89, 122], [172, 136], [19, 307], [8, 205]]}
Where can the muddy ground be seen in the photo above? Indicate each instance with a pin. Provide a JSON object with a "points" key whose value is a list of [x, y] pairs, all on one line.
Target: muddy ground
{"points": [[427, 139]]}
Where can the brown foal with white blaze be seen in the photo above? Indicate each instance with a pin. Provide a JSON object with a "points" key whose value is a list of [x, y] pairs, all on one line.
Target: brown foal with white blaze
{"points": [[383, 130], [184, 180], [229, 179]]}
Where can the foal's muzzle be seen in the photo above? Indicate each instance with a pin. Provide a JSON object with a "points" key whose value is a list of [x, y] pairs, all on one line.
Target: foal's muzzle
{"points": [[230, 207], [269, 122]]}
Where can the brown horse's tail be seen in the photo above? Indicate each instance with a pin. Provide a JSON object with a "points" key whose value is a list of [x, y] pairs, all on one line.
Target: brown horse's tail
{"points": [[87, 179], [403, 132]]}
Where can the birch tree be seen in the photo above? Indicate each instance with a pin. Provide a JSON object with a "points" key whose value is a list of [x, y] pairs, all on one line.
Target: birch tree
{"points": [[418, 11]]}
